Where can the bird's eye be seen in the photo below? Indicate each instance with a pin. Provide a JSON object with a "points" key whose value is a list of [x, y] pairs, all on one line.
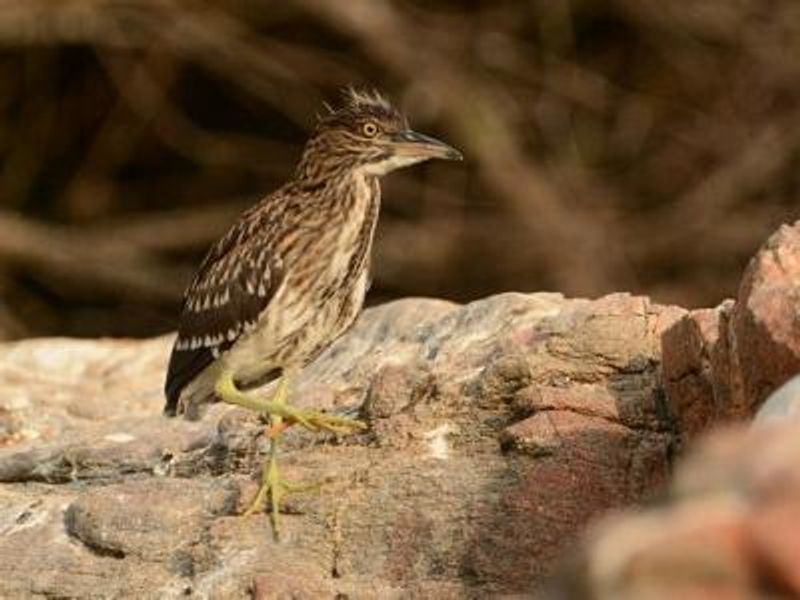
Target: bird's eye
{"points": [[370, 129]]}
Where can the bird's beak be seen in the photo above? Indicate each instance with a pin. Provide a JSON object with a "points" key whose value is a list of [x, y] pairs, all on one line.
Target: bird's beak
{"points": [[416, 145]]}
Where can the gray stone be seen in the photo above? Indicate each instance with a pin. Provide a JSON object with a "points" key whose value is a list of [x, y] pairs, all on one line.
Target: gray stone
{"points": [[782, 404], [497, 430]]}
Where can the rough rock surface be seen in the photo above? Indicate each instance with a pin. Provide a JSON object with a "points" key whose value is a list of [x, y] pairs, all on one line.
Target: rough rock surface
{"points": [[765, 321], [721, 364], [496, 431], [697, 369], [731, 528]]}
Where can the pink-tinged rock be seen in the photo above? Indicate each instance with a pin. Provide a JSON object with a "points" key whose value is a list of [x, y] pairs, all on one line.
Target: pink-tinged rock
{"points": [[730, 528], [765, 326], [696, 367], [721, 364], [776, 536], [701, 554], [497, 431]]}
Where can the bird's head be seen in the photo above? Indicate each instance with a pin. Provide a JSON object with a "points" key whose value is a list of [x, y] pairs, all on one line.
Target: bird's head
{"points": [[369, 135]]}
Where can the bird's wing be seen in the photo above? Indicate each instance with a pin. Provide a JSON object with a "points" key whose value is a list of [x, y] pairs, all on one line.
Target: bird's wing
{"points": [[235, 283]]}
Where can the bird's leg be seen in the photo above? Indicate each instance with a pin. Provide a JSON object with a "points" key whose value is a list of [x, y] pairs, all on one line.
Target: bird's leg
{"points": [[281, 416], [271, 482], [276, 406]]}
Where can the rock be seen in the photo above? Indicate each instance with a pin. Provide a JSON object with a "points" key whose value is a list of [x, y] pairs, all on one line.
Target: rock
{"points": [[497, 430], [697, 369], [730, 529], [783, 404], [765, 326], [721, 364]]}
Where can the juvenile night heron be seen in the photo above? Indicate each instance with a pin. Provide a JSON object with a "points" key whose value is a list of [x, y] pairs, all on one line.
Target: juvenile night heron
{"points": [[290, 276]]}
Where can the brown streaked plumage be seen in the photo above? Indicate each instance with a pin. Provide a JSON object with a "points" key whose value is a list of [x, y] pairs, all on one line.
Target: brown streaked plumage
{"points": [[290, 276]]}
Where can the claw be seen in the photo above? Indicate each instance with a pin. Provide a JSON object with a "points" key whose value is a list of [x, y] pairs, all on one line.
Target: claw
{"points": [[296, 417], [281, 417], [315, 421], [277, 488]]}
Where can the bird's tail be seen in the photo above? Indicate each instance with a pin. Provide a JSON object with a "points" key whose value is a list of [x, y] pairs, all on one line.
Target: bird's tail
{"points": [[192, 399]]}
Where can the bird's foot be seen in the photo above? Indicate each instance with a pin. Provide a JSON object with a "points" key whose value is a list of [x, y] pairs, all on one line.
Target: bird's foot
{"points": [[277, 407], [319, 421], [276, 488], [281, 416]]}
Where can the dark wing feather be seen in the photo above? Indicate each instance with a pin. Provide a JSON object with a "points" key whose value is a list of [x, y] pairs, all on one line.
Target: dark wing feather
{"points": [[233, 286]]}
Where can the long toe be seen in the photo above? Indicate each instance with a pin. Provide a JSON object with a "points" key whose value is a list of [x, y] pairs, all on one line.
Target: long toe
{"points": [[333, 423], [274, 487], [258, 502]]}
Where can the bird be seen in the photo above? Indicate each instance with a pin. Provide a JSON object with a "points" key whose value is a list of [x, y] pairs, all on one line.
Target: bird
{"points": [[290, 277]]}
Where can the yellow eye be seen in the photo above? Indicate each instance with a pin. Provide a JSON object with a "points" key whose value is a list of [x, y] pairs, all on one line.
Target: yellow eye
{"points": [[370, 129]]}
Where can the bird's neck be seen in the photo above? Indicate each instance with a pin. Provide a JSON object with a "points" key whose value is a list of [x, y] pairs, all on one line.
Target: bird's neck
{"points": [[341, 184], [353, 190], [315, 167]]}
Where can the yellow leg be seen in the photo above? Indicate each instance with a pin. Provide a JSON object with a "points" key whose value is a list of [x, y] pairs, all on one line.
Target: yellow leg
{"points": [[277, 407], [280, 415], [272, 484]]}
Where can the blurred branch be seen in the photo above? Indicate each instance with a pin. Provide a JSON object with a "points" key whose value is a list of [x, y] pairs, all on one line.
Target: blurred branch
{"points": [[207, 34], [100, 263], [150, 101], [749, 168], [168, 231]]}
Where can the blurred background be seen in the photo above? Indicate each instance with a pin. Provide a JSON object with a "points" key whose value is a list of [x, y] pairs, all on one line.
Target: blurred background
{"points": [[610, 145]]}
